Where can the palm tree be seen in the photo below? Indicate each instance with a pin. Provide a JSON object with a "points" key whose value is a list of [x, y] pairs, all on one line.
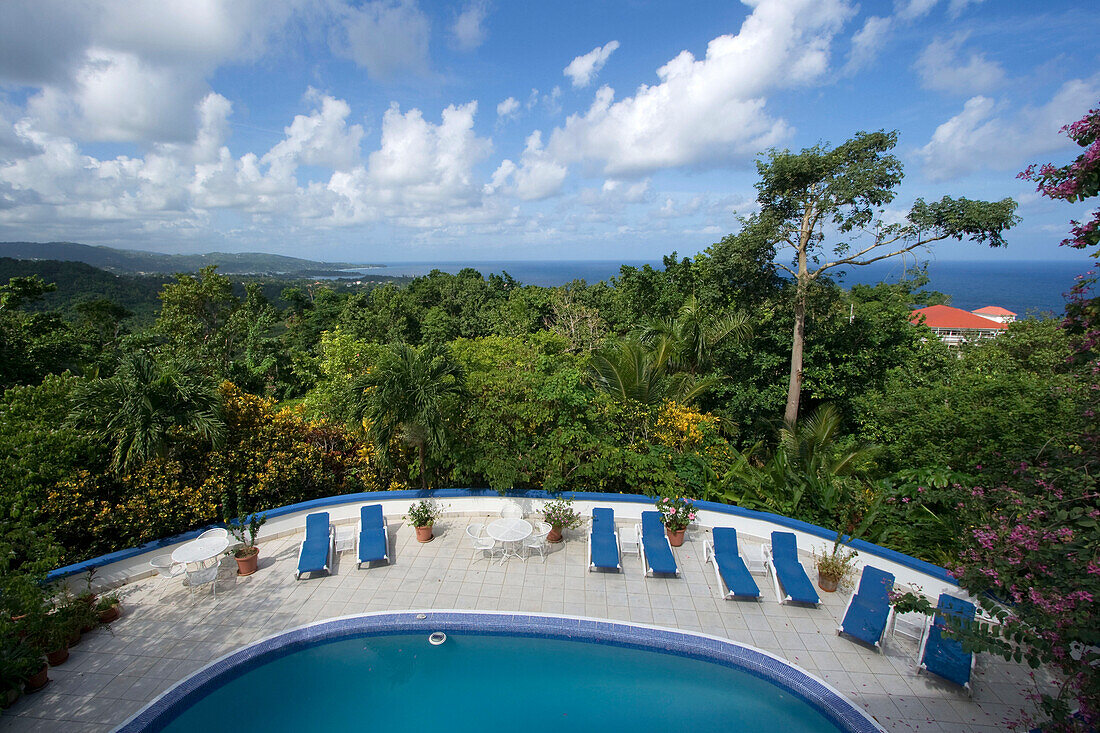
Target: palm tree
{"points": [[694, 334], [631, 371], [146, 401], [410, 393]]}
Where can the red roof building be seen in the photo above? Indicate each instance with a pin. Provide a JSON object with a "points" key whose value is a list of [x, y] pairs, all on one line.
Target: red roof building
{"points": [[954, 325], [996, 313]]}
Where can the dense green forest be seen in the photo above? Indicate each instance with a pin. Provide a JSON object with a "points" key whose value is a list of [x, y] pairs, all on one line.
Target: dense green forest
{"points": [[669, 381], [661, 381]]}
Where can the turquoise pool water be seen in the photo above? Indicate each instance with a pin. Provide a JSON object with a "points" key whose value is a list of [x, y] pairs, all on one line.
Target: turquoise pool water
{"points": [[493, 683]]}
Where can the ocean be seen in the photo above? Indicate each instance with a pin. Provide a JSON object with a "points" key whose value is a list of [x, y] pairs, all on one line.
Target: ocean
{"points": [[1025, 287]]}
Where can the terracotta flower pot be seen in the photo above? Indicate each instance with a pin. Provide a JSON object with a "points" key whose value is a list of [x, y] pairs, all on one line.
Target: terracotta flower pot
{"points": [[38, 680], [424, 534], [10, 697], [74, 638], [675, 536], [58, 657], [826, 584], [108, 615], [249, 563], [554, 535]]}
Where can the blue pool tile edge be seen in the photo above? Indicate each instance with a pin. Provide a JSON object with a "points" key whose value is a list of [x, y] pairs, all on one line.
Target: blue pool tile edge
{"points": [[830, 703]]}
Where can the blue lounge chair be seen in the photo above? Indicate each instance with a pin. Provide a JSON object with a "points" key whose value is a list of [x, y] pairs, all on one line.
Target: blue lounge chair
{"points": [[729, 568], [869, 611], [315, 554], [603, 541], [942, 656], [656, 549], [787, 571], [372, 541]]}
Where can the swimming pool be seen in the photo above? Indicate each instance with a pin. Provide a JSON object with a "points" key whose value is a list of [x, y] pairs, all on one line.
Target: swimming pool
{"points": [[497, 672]]}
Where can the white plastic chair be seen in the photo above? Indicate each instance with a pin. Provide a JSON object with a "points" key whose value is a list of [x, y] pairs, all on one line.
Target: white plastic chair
{"points": [[166, 568], [216, 532], [537, 540], [197, 575], [511, 510], [480, 541]]}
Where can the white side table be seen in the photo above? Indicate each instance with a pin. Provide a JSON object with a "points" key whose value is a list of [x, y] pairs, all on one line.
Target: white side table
{"points": [[628, 537], [345, 538]]}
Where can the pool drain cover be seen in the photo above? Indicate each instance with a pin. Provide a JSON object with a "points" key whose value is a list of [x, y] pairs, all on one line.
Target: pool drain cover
{"points": [[437, 638]]}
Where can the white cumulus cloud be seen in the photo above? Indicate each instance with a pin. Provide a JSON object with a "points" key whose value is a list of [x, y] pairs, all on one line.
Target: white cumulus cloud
{"points": [[537, 176], [468, 29], [584, 68], [943, 67], [385, 37], [868, 41], [508, 108], [710, 111], [421, 175], [988, 136]]}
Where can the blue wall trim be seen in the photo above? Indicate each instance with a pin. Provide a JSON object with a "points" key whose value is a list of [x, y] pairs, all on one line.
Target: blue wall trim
{"points": [[912, 563]]}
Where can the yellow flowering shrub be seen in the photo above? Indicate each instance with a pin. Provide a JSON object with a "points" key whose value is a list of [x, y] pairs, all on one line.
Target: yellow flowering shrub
{"points": [[271, 457]]}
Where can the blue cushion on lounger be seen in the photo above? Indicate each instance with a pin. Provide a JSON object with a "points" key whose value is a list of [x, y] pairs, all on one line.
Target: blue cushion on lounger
{"points": [[731, 566], [655, 544], [315, 547], [870, 608], [604, 546], [945, 657], [791, 574], [372, 544]]}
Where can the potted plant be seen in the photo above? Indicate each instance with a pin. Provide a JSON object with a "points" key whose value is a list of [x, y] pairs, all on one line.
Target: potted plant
{"points": [[109, 608], [244, 525], [834, 566], [75, 615], [19, 661], [676, 514], [49, 633], [422, 515], [560, 515], [245, 531]]}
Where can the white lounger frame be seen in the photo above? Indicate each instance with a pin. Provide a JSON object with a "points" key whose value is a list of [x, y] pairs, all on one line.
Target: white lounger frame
{"points": [[729, 594], [645, 561], [880, 645], [618, 552], [920, 657], [328, 560], [359, 531], [769, 568]]}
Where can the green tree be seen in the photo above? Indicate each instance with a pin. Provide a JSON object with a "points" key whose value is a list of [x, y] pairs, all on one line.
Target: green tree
{"points": [[412, 394], [193, 315], [694, 333], [32, 344], [826, 206], [631, 371], [145, 405]]}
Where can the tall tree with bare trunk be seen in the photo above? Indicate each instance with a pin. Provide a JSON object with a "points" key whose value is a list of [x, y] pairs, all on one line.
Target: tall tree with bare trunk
{"points": [[827, 205]]}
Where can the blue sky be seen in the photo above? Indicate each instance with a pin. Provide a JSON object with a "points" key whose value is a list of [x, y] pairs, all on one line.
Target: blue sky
{"points": [[403, 130]]}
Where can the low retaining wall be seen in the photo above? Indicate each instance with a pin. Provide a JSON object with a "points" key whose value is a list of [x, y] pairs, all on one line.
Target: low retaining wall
{"points": [[131, 564]]}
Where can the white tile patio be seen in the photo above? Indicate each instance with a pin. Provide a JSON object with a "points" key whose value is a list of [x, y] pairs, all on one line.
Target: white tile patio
{"points": [[165, 634]]}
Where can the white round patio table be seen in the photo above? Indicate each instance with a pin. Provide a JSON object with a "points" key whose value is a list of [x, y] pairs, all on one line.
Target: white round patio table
{"points": [[509, 532], [200, 550]]}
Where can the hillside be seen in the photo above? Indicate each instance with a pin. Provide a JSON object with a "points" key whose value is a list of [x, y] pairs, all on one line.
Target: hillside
{"points": [[141, 262]]}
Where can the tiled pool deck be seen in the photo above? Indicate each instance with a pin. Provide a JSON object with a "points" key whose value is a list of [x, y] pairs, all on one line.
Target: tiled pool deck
{"points": [[166, 634]]}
